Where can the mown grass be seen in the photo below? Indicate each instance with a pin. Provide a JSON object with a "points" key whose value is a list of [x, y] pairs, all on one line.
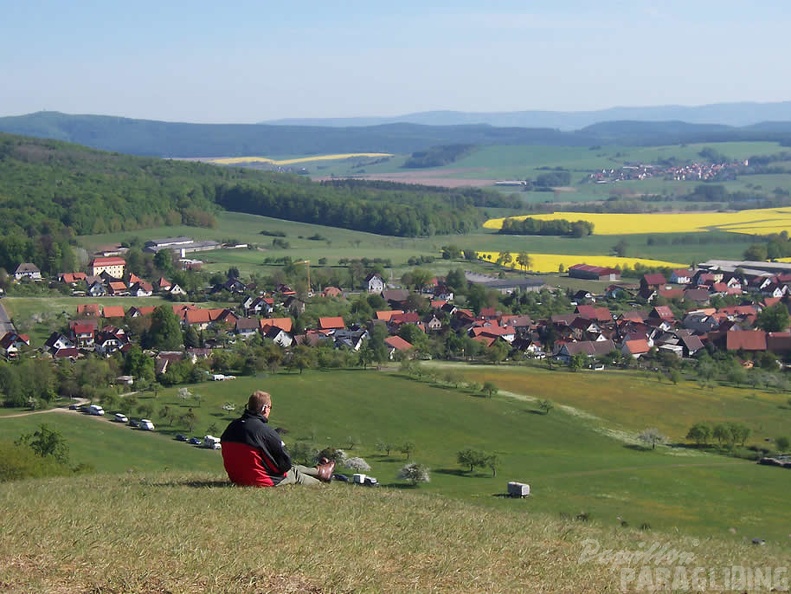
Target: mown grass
{"points": [[573, 463], [177, 532]]}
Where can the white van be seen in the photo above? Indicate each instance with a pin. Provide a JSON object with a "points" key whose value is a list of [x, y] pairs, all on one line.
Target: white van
{"points": [[95, 409], [145, 425], [211, 442]]}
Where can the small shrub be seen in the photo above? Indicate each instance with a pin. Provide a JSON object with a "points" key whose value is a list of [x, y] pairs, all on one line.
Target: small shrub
{"points": [[357, 464]]}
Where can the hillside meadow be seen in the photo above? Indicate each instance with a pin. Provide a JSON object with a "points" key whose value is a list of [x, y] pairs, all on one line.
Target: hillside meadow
{"points": [[575, 463], [191, 532]]}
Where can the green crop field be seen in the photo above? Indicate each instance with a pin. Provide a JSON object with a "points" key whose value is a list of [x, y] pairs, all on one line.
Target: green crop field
{"points": [[573, 465]]}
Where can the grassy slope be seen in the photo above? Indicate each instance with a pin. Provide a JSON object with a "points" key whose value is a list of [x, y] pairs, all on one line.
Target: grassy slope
{"points": [[571, 464], [175, 532]]}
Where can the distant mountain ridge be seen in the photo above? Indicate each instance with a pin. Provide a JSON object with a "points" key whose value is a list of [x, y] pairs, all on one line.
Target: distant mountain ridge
{"points": [[185, 140], [730, 114]]}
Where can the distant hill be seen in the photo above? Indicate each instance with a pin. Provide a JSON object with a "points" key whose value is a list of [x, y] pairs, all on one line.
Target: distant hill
{"points": [[730, 114], [183, 140]]}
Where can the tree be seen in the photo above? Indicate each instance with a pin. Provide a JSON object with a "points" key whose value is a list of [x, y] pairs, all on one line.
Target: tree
{"points": [[303, 357], [384, 446], [415, 474], [407, 448], [190, 420], [493, 463], [165, 331], [472, 458], [497, 352], [490, 389], [700, 433], [720, 433], [774, 318], [46, 442], [545, 406], [167, 413], [524, 260], [620, 248], [504, 258], [578, 361], [163, 260], [651, 436], [782, 443]]}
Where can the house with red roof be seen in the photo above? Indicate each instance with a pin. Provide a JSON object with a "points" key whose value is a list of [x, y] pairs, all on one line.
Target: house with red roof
{"points": [[635, 348], [331, 323], [12, 343], [113, 311], [385, 315], [72, 278], [83, 333], [285, 324], [113, 266], [117, 288], [397, 344], [88, 310], [653, 281], [141, 289], [750, 341]]}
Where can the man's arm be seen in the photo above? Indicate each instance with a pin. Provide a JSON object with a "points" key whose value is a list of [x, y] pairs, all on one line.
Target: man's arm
{"points": [[278, 450]]}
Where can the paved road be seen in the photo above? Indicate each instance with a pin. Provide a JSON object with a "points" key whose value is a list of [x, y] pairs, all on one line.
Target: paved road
{"points": [[5, 322]]}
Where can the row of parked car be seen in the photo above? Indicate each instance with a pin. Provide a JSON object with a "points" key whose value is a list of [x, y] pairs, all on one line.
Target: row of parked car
{"points": [[209, 441], [98, 411]]}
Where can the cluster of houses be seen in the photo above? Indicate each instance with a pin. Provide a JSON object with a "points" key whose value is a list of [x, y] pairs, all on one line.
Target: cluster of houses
{"points": [[591, 329], [686, 172]]}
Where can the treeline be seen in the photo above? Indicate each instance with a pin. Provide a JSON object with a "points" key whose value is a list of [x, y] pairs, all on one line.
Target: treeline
{"points": [[774, 246], [405, 211], [437, 156], [531, 226]]}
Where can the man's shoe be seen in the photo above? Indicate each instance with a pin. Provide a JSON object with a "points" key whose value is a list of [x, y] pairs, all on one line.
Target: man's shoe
{"points": [[325, 470]]}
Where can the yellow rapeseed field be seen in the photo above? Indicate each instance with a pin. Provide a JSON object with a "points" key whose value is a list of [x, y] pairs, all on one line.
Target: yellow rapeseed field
{"points": [[552, 262], [295, 161], [757, 221]]}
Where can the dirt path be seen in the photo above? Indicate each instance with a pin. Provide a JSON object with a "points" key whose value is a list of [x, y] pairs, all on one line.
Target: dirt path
{"points": [[77, 401]]}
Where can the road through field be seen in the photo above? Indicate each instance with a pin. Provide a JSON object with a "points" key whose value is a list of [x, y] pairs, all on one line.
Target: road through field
{"points": [[5, 322]]}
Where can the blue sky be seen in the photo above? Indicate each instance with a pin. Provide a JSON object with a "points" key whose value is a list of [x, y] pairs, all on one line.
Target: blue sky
{"points": [[254, 60]]}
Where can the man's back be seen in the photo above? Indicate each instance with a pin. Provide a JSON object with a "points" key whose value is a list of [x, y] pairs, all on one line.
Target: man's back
{"points": [[253, 453]]}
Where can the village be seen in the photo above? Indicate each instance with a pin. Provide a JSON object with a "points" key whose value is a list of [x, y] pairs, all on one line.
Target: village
{"points": [[719, 306]]}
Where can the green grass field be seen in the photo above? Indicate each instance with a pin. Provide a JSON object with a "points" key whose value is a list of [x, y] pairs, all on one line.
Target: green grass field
{"points": [[342, 243], [572, 463]]}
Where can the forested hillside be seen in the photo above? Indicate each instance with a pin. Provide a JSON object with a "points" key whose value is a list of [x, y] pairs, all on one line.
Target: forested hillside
{"points": [[52, 192], [378, 207], [174, 139]]}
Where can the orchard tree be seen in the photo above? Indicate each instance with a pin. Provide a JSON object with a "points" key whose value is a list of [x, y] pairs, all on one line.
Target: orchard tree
{"points": [[415, 474], [700, 433], [651, 436], [471, 458]]}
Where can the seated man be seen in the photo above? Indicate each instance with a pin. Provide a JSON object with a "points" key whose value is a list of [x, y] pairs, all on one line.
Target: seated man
{"points": [[253, 453]]}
